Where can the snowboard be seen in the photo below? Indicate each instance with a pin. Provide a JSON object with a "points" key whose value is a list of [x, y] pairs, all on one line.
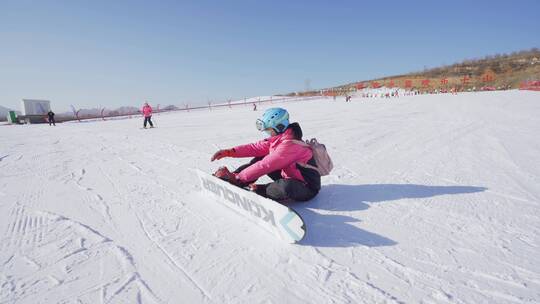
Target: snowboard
{"points": [[278, 219]]}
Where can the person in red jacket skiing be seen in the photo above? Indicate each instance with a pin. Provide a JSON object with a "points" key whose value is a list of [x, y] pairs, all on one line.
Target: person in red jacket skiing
{"points": [[277, 157], [147, 113]]}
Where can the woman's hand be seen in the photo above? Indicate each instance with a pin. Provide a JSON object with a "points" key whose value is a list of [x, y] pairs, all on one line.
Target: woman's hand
{"points": [[226, 175], [222, 153]]}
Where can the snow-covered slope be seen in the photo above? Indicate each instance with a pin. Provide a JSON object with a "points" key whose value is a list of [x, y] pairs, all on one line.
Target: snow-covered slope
{"points": [[433, 199]]}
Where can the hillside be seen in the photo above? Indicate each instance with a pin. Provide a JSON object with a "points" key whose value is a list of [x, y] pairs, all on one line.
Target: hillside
{"points": [[500, 71]]}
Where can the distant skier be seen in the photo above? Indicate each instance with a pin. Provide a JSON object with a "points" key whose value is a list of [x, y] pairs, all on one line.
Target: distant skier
{"points": [[254, 107], [277, 157], [50, 116], [147, 112]]}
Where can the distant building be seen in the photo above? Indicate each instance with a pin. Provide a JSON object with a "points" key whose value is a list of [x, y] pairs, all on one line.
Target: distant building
{"points": [[34, 110], [35, 107]]}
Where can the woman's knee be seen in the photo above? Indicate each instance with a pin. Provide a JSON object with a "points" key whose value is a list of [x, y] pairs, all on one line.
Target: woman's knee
{"points": [[277, 191], [289, 189]]}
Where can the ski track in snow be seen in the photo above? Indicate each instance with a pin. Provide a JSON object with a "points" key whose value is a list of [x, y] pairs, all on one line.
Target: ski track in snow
{"points": [[50, 258], [433, 199]]}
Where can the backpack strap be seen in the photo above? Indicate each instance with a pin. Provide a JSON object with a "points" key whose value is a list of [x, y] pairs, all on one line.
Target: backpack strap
{"points": [[307, 143], [309, 166], [298, 142]]}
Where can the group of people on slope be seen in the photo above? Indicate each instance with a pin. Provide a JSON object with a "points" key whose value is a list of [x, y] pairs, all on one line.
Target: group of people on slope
{"points": [[278, 156], [146, 112]]}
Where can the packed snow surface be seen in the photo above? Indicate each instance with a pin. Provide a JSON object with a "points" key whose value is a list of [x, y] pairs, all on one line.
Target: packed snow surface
{"points": [[433, 199]]}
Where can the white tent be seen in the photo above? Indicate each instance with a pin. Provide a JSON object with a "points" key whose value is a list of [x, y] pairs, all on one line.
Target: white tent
{"points": [[35, 107]]}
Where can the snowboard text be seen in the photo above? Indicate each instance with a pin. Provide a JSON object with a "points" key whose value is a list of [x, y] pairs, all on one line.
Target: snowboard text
{"points": [[245, 203]]}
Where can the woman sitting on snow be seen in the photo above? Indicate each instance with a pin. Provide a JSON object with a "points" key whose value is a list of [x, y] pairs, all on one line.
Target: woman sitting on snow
{"points": [[276, 156]]}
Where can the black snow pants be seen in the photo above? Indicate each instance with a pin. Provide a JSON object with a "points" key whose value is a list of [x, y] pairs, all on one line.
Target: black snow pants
{"points": [[282, 189], [148, 120]]}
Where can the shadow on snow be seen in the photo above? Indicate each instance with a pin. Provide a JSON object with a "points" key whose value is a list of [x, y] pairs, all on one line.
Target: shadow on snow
{"points": [[333, 230]]}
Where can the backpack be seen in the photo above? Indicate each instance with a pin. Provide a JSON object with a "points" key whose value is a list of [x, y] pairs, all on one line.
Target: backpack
{"points": [[320, 155]]}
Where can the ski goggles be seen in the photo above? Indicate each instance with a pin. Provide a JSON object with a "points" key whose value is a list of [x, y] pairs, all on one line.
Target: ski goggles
{"points": [[261, 126]]}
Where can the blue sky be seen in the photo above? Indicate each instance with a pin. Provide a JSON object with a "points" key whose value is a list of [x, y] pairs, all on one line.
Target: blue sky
{"points": [[113, 53]]}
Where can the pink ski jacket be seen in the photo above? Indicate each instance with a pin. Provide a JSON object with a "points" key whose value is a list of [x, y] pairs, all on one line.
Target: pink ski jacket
{"points": [[147, 111], [278, 154]]}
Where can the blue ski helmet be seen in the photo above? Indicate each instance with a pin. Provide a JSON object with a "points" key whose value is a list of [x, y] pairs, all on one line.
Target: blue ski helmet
{"points": [[275, 118]]}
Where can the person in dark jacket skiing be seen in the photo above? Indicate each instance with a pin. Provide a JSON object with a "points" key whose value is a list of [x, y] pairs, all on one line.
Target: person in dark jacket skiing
{"points": [[278, 157], [50, 117]]}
